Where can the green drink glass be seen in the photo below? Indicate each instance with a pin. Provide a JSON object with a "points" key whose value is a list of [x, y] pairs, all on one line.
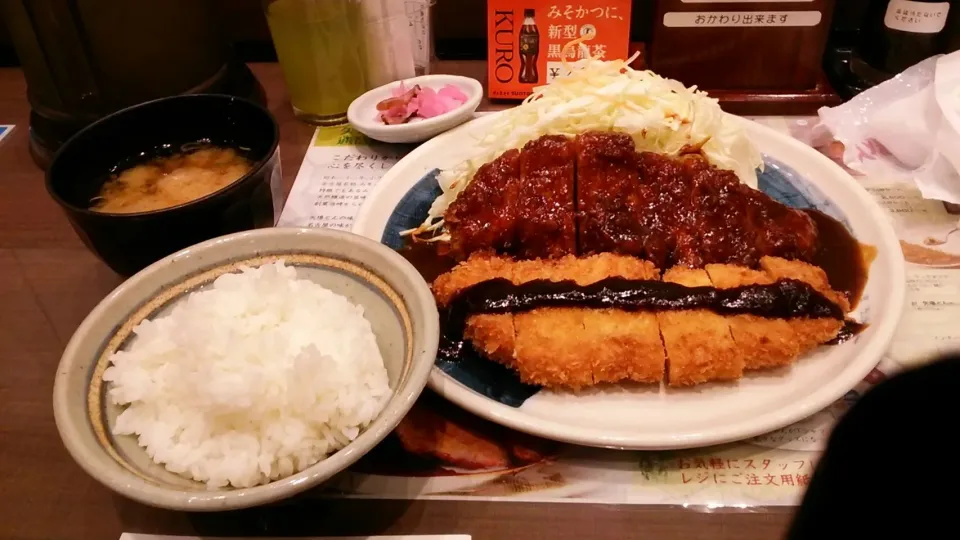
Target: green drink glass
{"points": [[320, 46]]}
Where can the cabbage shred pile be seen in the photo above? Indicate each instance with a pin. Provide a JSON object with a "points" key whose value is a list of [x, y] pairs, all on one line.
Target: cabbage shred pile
{"points": [[662, 115]]}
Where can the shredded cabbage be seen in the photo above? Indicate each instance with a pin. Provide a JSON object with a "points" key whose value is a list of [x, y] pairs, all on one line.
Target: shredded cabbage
{"points": [[661, 114]]}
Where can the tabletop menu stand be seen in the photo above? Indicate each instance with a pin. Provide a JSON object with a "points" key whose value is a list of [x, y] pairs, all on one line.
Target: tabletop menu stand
{"points": [[756, 57]]}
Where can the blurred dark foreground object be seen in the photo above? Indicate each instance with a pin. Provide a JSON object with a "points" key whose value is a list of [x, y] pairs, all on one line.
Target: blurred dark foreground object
{"points": [[84, 59], [890, 463]]}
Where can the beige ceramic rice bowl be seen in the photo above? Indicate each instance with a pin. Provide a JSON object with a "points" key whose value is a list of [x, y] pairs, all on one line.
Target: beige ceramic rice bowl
{"points": [[365, 311]]}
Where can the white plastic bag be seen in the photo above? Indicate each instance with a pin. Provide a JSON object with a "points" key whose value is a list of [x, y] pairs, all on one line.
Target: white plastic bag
{"points": [[907, 128]]}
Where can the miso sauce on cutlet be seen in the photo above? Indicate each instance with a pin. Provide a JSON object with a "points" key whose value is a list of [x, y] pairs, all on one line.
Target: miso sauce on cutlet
{"points": [[845, 261]]}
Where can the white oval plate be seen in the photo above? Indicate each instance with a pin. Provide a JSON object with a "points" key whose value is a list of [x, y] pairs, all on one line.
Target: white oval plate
{"points": [[643, 417]]}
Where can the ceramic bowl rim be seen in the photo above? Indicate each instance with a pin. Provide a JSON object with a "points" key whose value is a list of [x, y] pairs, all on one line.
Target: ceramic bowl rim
{"points": [[415, 293]]}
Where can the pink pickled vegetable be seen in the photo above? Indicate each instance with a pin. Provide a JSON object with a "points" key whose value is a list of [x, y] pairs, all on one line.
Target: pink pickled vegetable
{"points": [[400, 107], [422, 102], [452, 92]]}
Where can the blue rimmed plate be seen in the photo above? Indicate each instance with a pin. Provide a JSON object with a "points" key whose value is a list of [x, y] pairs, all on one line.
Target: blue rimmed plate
{"points": [[650, 417]]}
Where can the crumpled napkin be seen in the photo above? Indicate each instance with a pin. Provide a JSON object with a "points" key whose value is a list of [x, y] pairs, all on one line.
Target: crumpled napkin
{"points": [[907, 128]]}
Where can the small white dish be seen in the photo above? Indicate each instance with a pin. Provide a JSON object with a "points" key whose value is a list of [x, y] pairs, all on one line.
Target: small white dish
{"points": [[362, 113]]}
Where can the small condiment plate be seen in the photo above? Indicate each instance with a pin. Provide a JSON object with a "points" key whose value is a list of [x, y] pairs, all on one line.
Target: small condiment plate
{"points": [[362, 113]]}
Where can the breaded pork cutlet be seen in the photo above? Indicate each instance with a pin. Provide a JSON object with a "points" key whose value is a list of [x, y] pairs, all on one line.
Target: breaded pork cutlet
{"points": [[577, 347], [763, 343], [595, 193], [611, 199], [810, 332], [484, 215], [545, 210], [567, 347], [491, 333], [699, 345]]}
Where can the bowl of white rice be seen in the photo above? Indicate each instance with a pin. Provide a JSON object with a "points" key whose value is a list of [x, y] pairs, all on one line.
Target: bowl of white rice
{"points": [[245, 369]]}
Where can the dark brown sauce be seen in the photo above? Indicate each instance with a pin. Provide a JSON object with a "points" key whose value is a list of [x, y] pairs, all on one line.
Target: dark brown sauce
{"points": [[841, 256], [850, 329], [424, 257], [785, 299], [845, 261]]}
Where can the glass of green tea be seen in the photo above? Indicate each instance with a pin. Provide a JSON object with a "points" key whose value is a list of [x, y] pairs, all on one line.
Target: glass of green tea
{"points": [[320, 46]]}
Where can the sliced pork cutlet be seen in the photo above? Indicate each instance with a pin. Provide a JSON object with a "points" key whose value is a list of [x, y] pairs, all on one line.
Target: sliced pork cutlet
{"points": [[491, 333], [719, 216], [545, 204], [763, 342], [668, 211], [810, 332], [698, 342], [577, 347], [484, 216], [780, 231], [611, 200], [700, 215], [562, 347]]}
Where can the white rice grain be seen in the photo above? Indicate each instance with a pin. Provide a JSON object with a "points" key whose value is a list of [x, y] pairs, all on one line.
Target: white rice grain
{"points": [[254, 379]]}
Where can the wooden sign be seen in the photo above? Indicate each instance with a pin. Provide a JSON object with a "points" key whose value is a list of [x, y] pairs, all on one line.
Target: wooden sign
{"points": [[748, 51]]}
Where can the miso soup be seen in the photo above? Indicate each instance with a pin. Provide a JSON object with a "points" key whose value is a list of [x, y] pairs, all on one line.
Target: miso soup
{"points": [[168, 181]]}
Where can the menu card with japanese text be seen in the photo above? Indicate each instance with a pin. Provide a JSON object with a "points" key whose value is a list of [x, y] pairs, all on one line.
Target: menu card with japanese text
{"points": [[340, 167]]}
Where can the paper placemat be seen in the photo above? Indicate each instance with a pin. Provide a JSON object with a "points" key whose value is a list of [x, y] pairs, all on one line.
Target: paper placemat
{"points": [[137, 536], [494, 463]]}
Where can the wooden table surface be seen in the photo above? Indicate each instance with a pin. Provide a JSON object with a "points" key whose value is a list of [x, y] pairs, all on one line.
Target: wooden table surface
{"points": [[49, 282]]}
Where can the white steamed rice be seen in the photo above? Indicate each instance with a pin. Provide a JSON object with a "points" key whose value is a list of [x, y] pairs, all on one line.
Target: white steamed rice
{"points": [[254, 379]]}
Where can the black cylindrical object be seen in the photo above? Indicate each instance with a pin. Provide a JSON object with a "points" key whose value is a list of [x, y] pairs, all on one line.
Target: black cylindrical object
{"points": [[84, 59], [897, 34]]}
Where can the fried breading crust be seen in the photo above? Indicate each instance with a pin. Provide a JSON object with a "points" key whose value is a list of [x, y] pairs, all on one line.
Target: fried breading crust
{"points": [[580, 347], [698, 341]]}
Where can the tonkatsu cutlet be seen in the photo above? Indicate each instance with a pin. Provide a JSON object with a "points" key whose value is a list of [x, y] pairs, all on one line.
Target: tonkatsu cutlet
{"points": [[763, 343], [545, 219], [610, 198], [484, 215], [574, 347], [810, 332], [595, 193], [698, 341], [491, 333], [567, 347]]}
